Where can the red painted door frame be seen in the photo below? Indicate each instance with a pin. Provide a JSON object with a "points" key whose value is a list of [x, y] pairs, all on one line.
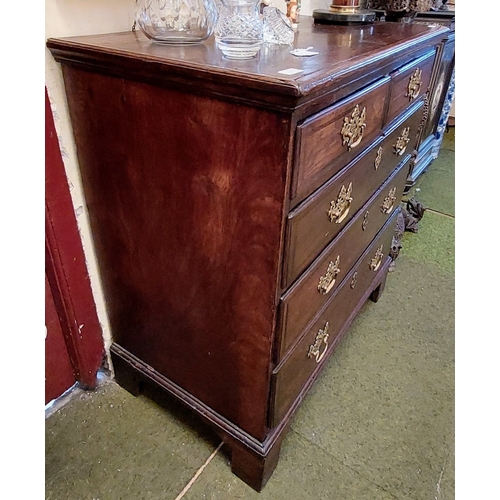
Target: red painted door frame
{"points": [[66, 268], [59, 374]]}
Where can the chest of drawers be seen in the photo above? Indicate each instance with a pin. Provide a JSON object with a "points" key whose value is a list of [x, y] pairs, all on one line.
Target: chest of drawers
{"points": [[241, 215]]}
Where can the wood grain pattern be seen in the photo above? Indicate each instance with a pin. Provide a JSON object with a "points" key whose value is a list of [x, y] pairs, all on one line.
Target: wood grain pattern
{"points": [[186, 216]]}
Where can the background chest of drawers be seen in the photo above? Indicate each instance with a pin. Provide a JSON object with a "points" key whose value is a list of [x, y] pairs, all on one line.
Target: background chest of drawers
{"points": [[439, 99], [240, 216], [440, 95]]}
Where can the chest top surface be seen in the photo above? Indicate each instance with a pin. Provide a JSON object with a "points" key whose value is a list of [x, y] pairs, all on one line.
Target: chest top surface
{"points": [[346, 53]]}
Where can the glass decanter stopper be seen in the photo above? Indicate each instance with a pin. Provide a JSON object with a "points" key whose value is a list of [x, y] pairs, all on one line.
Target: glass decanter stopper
{"points": [[277, 27]]}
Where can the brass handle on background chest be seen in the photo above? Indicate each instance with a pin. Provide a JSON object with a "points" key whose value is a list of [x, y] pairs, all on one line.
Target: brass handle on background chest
{"points": [[354, 125], [339, 208], [321, 338], [402, 141], [327, 281], [377, 259], [414, 85], [389, 202]]}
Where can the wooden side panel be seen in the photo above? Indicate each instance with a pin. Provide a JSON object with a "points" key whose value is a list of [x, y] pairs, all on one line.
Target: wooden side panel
{"points": [[186, 199]]}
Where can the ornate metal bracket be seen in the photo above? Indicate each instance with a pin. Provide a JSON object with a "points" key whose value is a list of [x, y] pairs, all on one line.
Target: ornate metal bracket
{"points": [[327, 281], [352, 130], [377, 259], [402, 141], [339, 208], [389, 201], [414, 85], [321, 338]]}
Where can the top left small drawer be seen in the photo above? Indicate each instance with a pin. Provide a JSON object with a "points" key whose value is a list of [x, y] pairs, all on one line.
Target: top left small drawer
{"points": [[328, 140]]}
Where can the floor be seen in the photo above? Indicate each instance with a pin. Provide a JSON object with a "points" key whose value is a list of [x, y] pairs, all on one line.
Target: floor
{"points": [[377, 425]]}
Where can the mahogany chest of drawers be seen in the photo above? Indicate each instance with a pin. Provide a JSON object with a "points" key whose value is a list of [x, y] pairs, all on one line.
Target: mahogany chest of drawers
{"points": [[241, 212]]}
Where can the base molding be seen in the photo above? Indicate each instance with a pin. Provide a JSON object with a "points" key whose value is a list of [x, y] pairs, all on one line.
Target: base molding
{"points": [[131, 372], [252, 460]]}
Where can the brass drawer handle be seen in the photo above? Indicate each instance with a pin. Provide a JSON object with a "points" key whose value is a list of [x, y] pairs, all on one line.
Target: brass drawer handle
{"points": [[327, 281], [389, 201], [402, 141], [377, 259], [315, 349], [414, 85], [339, 208], [352, 130]]}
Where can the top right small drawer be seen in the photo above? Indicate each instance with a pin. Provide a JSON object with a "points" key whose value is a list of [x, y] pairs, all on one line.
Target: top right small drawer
{"points": [[408, 84]]}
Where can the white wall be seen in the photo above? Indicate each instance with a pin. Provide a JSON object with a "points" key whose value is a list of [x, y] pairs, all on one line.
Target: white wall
{"points": [[68, 18]]}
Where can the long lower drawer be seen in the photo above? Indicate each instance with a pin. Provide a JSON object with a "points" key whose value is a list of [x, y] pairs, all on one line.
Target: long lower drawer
{"points": [[313, 348], [303, 300]]}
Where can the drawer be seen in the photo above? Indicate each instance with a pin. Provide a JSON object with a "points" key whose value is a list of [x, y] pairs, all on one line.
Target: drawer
{"points": [[408, 84], [302, 301], [317, 221], [327, 141], [290, 377]]}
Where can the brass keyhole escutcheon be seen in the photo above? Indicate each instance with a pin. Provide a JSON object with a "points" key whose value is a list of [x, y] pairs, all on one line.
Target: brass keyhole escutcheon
{"points": [[378, 158], [364, 224], [377, 259], [389, 201], [414, 85], [327, 281], [354, 280], [402, 141], [321, 338], [339, 208], [352, 130]]}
